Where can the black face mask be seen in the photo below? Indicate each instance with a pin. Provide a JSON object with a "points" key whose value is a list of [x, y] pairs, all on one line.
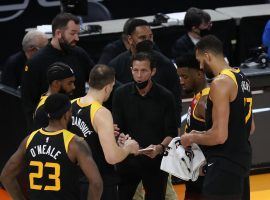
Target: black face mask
{"points": [[144, 46], [141, 85], [204, 32]]}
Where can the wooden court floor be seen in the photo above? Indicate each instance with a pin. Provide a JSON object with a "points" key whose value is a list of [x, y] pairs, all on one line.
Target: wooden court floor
{"points": [[259, 186]]}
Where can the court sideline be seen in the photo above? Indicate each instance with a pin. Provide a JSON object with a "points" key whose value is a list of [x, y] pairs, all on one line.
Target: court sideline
{"points": [[259, 186]]}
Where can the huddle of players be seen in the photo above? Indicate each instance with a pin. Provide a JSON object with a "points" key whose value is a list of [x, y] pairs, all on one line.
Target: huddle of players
{"points": [[60, 150], [52, 153]]}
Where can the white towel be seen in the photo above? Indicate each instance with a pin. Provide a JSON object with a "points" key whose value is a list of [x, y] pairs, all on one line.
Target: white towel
{"points": [[182, 163]]}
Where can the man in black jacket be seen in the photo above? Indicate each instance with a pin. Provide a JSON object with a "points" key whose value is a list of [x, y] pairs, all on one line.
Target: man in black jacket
{"points": [[13, 68], [62, 48], [140, 38], [119, 46], [197, 24]]}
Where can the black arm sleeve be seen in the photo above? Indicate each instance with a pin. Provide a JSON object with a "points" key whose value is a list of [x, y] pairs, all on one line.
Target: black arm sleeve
{"points": [[88, 63], [117, 109], [175, 87]]}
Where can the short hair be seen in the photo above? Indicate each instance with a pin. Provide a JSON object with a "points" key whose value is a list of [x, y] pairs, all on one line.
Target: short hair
{"points": [[210, 43], [195, 17], [31, 39], [100, 76], [188, 61], [135, 23], [125, 28], [59, 71], [126, 25], [141, 56], [56, 105], [61, 20]]}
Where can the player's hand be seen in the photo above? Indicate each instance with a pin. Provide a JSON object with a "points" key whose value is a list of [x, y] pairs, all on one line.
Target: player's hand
{"points": [[132, 146], [155, 150], [122, 139], [116, 130], [186, 140]]}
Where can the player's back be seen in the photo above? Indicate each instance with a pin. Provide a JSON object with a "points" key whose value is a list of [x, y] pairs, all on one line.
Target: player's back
{"points": [[82, 125], [52, 175]]}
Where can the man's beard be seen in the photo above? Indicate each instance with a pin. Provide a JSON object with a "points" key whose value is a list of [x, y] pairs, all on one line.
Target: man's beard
{"points": [[208, 72], [62, 91], [65, 45]]}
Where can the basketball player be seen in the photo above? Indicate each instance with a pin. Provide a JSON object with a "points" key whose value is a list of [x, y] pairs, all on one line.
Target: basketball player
{"points": [[193, 80], [228, 122], [94, 122], [51, 156], [61, 79]]}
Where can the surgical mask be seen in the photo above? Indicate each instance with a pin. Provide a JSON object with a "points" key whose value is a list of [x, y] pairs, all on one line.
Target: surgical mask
{"points": [[204, 32], [141, 85]]}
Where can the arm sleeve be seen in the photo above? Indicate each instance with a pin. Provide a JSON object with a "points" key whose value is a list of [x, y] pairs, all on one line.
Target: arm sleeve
{"points": [[178, 49], [169, 118], [88, 63], [175, 87], [117, 110]]}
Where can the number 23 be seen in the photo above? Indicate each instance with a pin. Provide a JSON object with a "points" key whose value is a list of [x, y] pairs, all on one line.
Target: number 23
{"points": [[39, 174]]}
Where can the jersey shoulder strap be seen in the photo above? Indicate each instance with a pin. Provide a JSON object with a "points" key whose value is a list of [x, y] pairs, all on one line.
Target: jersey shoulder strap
{"points": [[95, 106], [30, 138]]}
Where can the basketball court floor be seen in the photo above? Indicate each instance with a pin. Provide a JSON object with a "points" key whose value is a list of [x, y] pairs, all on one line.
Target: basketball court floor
{"points": [[259, 186]]}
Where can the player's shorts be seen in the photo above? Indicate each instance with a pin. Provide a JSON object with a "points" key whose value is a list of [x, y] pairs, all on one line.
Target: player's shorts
{"points": [[221, 183]]}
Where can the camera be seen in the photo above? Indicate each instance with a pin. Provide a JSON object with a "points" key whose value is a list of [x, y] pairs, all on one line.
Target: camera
{"points": [[257, 57]]}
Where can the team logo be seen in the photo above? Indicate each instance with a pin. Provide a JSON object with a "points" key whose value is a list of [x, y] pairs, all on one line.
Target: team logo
{"points": [[13, 9], [26, 68]]}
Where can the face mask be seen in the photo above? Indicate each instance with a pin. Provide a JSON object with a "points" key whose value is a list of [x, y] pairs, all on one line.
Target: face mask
{"points": [[144, 46], [141, 85], [204, 32]]}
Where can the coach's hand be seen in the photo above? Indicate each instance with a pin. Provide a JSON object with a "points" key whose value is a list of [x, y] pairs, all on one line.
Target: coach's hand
{"points": [[155, 150], [132, 146], [122, 139]]}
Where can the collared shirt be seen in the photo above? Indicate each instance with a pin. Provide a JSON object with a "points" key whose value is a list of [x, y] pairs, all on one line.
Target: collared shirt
{"points": [[148, 119]]}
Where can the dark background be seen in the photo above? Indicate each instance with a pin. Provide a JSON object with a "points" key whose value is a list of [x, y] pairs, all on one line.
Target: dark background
{"points": [[12, 31]]}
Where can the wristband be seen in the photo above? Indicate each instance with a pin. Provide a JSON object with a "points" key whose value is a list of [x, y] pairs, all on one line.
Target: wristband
{"points": [[163, 147]]}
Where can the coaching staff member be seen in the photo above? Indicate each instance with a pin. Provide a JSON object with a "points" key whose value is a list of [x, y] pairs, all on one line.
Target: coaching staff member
{"points": [[62, 48], [146, 111]]}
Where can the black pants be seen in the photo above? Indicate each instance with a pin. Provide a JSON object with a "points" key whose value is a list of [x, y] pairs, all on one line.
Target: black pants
{"points": [[133, 170], [194, 189]]}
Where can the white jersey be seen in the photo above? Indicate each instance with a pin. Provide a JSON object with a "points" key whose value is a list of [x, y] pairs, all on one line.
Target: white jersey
{"points": [[182, 163]]}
